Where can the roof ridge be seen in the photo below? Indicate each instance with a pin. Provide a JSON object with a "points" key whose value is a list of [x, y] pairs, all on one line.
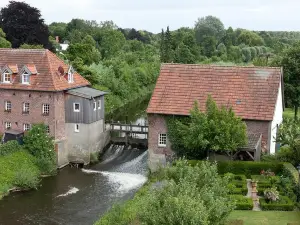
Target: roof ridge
{"points": [[213, 65]]}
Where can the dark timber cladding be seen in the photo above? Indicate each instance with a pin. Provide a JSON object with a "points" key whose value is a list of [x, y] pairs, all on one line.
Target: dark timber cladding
{"points": [[85, 97]]}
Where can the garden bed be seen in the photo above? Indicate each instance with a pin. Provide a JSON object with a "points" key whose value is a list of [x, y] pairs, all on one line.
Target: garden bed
{"points": [[242, 202], [283, 204]]}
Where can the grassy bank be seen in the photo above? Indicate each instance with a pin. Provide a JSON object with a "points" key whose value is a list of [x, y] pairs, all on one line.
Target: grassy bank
{"points": [[18, 170], [266, 217], [290, 113]]}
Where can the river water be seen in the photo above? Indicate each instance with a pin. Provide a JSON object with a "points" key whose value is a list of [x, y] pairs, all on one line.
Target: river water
{"points": [[81, 196]]}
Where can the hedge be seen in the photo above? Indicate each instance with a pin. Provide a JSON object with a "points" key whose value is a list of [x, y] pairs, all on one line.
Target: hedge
{"points": [[290, 171], [242, 203], [239, 184], [283, 204], [239, 191], [265, 179]]}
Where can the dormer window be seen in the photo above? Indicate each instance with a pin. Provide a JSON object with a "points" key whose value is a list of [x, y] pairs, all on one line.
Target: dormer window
{"points": [[25, 78], [71, 75], [7, 78]]}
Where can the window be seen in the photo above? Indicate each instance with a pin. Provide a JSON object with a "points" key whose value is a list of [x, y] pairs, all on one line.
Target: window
{"points": [[46, 109], [76, 128], [7, 125], [8, 106], [162, 140], [25, 78], [48, 129], [76, 107], [70, 77], [95, 106], [6, 78], [25, 108], [26, 127], [99, 104]]}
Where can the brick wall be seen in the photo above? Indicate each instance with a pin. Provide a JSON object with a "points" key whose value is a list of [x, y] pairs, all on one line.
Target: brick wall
{"points": [[55, 120], [157, 125]]}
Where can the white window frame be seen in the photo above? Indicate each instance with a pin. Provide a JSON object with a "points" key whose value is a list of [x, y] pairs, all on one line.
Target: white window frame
{"points": [[162, 140], [7, 125], [5, 76], [8, 106], [76, 128], [70, 77], [99, 103], [25, 74], [95, 105], [26, 107], [46, 109], [74, 109], [26, 127]]}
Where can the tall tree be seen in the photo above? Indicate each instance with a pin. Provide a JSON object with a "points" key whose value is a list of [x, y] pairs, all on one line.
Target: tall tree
{"points": [[24, 24], [290, 62], [162, 46], [168, 46], [209, 26]]}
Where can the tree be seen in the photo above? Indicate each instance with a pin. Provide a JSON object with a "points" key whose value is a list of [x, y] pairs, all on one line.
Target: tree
{"points": [[88, 53], [27, 46], [3, 42], [290, 61], [184, 55], [58, 29], [209, 46], [168, 46], [250, 38], [246, 54], [218, 129], [162, 46], [23, 24], [209, 26]]}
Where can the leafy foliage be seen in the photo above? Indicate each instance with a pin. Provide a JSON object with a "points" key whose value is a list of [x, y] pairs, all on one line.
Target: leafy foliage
{"points": [[218, 129], [271, 194], [3, 42], [9, 148], [23, 24], [41, 146], [283, 204]]}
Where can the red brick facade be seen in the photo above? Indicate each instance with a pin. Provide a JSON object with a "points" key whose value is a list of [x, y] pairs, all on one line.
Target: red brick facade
{"points": [[157, 125], [55, 119]]}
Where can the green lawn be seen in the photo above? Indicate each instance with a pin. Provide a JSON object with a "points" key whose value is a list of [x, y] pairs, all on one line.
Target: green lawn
{"points": [[289, 113], [266, 217]]}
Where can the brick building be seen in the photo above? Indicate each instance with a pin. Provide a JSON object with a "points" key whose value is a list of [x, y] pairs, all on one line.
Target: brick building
{"points": [[35, 87], [254, 93]]}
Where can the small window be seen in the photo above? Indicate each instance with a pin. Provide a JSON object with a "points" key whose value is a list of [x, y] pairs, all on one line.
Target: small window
{"points": [[76, 107], [8, 106], [46, 109], [7, 125], [70, 77], [25, 107], [95, 106], [76, 128], [48, 129], [26, 127], [6, 78], [99, 104], [162, 140], [25, 78]]}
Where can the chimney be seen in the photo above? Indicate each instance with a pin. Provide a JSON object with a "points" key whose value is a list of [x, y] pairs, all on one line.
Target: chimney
{"points": [[57, 39]]}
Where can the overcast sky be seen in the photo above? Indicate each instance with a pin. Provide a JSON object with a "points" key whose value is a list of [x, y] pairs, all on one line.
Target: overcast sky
{"points": [[153, 15]]}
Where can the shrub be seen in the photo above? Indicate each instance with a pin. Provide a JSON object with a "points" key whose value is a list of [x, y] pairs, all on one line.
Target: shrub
{"points": [[283, 204], [41, 146], [238, 191], [9, 148], [248, 168], [271, 194], [242, 202], [290, 171]]}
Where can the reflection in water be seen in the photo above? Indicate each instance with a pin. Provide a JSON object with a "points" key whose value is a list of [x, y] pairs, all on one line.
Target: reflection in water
{"points": [[79, 196]]}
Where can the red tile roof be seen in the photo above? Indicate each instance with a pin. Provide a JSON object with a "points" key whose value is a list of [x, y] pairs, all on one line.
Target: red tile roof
{"points": [[251, 91], [42, 61]]}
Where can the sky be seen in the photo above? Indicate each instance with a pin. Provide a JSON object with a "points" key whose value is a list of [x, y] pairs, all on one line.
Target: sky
{"points": [[153, 15]]}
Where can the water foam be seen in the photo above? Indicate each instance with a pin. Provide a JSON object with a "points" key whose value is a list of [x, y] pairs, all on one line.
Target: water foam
{"points": [[122, 182], [72, 190]]}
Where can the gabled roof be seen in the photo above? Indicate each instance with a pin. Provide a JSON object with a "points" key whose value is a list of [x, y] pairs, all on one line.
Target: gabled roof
{"points": [[86, 92], [44, 64], [251, 91]]}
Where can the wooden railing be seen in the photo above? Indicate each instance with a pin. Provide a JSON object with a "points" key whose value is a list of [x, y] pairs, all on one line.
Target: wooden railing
{"points": [[129, 128]]}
